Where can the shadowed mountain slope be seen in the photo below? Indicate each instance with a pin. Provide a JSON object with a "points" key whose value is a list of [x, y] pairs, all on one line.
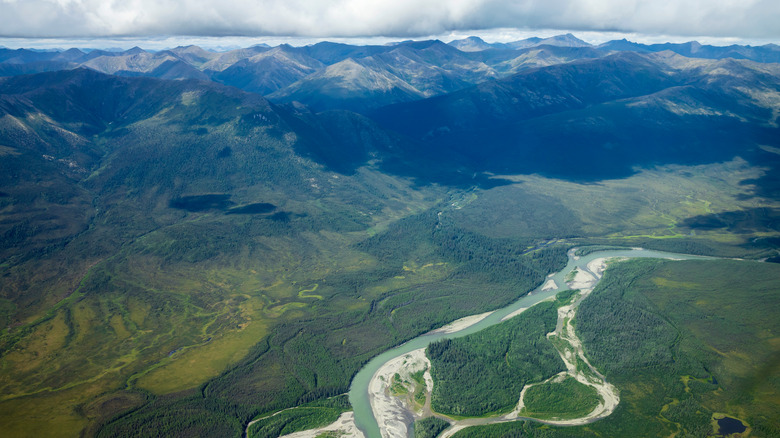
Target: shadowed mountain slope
{"points": [[599, 118]]}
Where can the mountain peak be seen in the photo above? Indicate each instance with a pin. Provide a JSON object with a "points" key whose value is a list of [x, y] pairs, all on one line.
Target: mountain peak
{"points": [[471, 44], [566, 40], [134, 51]]}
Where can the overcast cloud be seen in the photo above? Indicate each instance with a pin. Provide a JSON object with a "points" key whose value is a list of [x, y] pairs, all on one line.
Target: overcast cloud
{"points": [[744, 19]]}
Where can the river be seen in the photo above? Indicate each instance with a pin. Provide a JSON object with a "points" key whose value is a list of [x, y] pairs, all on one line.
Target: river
{"points": [[359, 393]]}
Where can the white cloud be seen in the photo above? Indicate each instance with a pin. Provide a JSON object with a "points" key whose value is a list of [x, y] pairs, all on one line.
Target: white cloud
{"points": [[399, 18]]}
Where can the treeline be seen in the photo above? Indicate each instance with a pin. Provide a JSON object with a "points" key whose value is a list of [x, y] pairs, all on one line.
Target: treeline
{"points": [[403, 239], [176, 417], [520, 429], [308, 416], [498, 259], [566, 399], [478, 256], [429, 427], [485, 273], [645, 339], [485, 372], [681, 245], [590, 249]]}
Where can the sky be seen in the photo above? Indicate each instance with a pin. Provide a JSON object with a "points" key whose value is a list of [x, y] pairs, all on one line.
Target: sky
{"points": [[225, 23]]}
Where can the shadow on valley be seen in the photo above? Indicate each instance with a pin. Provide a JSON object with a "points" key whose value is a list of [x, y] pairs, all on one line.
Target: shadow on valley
{"points": [[755, 220], [221, 202], [593, 144], [590, 120], [197, 203], [768, 185]]}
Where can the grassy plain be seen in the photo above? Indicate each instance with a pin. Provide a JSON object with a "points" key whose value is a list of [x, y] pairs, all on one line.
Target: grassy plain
{"points": [[669, 207]]}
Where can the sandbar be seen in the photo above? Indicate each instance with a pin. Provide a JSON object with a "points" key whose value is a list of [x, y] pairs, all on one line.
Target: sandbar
{"points": [[392, 416], [461, 324], [345, 427]]}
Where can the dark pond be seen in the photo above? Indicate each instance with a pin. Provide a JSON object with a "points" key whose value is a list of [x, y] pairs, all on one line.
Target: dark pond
{"points": [[202, 202], [221, 202], [728, 425]]}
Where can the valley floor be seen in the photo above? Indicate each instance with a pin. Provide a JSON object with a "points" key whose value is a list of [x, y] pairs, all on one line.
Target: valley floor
{"points": [[396, 409]]}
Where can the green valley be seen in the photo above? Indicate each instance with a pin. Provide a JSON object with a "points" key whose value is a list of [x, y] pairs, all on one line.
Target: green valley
{"points": [[184, 258]]}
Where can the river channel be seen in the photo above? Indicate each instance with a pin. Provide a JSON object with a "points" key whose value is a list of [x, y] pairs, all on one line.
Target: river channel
{"points": [[359, 393]]}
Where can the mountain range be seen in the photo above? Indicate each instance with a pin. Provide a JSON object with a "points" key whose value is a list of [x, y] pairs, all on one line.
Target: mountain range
{"points": [[358, 78]]}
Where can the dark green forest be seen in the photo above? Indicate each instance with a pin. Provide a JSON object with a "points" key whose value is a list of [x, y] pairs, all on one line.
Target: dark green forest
{"points": [[429, 427], [484, 373]]}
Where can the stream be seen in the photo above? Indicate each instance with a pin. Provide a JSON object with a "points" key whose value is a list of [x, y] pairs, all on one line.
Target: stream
{"points": [[359, 392]]}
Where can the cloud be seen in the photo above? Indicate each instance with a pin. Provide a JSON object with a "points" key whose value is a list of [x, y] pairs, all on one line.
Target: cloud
{"points": [[400, 18]]}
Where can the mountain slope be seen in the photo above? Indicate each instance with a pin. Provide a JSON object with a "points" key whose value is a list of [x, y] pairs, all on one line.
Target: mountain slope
{"points": [[528, 94], [476, 44], [471, 44], [597, 119], [137, 62], [268, 71], [566, 40], [349, 84]]}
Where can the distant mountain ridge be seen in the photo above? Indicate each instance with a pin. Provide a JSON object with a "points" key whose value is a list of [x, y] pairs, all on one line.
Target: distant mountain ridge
{"points": [[330, 75], [473, 44]]}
